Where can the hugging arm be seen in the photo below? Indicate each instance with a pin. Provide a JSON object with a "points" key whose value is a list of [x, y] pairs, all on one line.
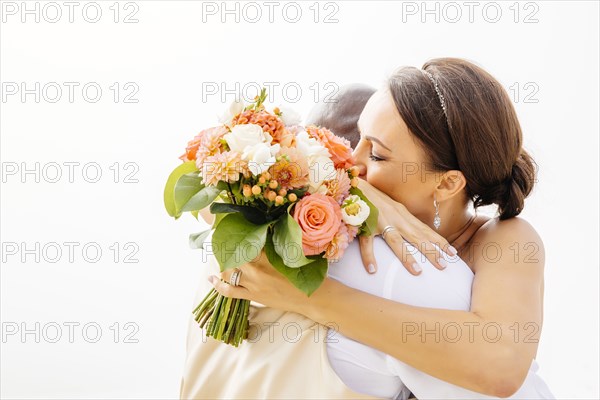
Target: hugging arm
{"points": [[206, 215], [499, 334]]}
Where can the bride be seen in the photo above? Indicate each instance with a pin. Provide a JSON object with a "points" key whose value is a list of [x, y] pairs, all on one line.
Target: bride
{"points": [[468, 325]]}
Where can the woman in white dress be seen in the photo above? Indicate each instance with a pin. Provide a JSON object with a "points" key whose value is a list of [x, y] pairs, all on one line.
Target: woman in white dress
{"points": [[433, 140], [367, 370]]}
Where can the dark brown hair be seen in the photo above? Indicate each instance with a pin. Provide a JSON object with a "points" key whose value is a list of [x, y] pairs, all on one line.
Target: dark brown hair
{"points": [[481, 135]]}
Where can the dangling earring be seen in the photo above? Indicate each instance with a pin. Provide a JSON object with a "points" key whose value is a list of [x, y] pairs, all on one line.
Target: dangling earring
{"points": [[437, 221]]}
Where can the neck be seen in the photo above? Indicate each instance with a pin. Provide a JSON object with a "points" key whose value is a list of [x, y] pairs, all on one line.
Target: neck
{"points": [[454, 223]]}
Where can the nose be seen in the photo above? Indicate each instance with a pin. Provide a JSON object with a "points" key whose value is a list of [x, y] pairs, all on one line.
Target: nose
{"points": [[362, 170], [359, 156]]}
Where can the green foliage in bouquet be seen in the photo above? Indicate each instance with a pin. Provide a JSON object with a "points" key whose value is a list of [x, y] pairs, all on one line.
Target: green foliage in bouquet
{"points": [[240, 232], [227, 169]]}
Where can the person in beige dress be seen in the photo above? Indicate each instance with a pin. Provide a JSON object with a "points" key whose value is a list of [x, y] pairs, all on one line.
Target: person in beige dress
{"points": [[285, 356]]}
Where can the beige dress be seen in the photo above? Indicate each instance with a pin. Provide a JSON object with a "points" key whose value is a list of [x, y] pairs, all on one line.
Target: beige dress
{"points": [[284, 358]]}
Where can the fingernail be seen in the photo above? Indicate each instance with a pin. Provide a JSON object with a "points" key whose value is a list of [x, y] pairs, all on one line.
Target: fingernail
{"points": [[417, 268], [452, 250], [371, 268], [443, 263], [211, 279]]}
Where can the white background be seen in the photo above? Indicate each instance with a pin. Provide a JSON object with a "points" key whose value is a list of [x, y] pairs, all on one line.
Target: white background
{"points": [[169, 53]]}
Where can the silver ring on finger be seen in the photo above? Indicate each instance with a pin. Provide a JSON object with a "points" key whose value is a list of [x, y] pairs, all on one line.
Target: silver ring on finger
{"points": [[234, 279], [387, 229]]}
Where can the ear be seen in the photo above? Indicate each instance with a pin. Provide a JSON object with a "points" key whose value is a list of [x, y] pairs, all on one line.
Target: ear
{"points": [[451, 184]]}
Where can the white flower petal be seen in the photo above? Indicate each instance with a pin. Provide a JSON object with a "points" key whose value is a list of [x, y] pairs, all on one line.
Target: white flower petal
{"points": [[243, 136], [289, 116], [234, 109], [260, 157], [358, 218]]}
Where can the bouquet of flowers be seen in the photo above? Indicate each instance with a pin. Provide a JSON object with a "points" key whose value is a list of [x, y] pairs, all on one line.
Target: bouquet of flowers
{"points": [[273, 185]]}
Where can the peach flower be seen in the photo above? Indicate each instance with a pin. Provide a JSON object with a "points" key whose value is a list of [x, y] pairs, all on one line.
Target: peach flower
{"points": [[352, 231], [211, 144], [339, 148], [206, 139], [339, 188], [319, 217], [291, 169], [225, 167], [340, 242]]}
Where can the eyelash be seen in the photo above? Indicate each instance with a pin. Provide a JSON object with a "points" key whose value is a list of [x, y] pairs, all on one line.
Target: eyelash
{"points": [[372, 156], [375, 158]]}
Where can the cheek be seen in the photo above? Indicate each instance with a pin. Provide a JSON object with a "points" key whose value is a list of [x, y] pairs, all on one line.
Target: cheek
{"points": [[388, 179], [402, 186]]}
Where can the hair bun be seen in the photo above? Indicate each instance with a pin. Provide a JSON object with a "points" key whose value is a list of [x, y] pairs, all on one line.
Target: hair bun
{"points": [[517, 186]]}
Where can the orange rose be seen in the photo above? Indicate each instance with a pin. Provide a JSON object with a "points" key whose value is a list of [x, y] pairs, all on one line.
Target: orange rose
{"points": [[319, 217], [339, 148]]}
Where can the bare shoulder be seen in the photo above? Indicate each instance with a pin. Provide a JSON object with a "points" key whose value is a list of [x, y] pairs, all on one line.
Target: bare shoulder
{"points": [[511, 229], [513, 241]]}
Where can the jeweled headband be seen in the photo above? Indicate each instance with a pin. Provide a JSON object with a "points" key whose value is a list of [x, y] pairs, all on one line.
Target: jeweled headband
{"points": [[440, 95]]}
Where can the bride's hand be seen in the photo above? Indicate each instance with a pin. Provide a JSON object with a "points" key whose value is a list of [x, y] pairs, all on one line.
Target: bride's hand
{"points": [[407, 228]]}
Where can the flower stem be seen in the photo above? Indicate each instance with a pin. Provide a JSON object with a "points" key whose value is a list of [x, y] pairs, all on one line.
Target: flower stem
{"points": [[226, 319], [223, 318], [232, 325], [231, 194]]}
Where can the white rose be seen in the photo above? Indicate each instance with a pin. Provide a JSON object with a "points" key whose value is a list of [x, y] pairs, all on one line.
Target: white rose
{"points": [[234, 109], [320, 169], [355, 211], [310, 147], [320, 165], [289, 116], [320, 190], [260, 157], [242, 136]]}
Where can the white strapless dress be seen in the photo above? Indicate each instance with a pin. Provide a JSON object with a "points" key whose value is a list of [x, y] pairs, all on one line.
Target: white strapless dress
{"points": [[369, 371]]}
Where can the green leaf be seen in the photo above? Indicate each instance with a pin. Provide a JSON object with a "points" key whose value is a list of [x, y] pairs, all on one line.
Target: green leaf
{"points": [[370, 225], [192, 195], [197, 239], [222, 185], [237, 241], [218, 218], [307, 278], [252, 214], [186, 187], [201, 199], [274, 213], [169, 192], [287, 240]]}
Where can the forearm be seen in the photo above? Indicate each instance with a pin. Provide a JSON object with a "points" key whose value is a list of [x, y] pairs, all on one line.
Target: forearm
{"points": [[450, 345], [207, 216]]}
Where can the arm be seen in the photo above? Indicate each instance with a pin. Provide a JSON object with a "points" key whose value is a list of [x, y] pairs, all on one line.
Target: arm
{"points": [[207, 216], [505, 293]]}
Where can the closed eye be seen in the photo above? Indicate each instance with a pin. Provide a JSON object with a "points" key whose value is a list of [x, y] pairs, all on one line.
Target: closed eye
{"points": [[369, 139], [375, 158]]}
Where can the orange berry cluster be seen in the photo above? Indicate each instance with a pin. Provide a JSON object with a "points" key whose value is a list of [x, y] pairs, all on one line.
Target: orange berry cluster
{"points": [[354, 173], [269, 190]]}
